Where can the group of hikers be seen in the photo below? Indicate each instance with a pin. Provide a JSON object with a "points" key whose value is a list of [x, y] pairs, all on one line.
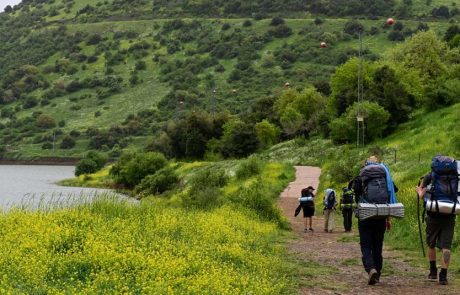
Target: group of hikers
{"points": [[371, 197]]}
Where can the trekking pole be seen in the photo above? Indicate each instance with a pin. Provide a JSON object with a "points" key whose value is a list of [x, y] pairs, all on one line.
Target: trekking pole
{"points": [[419, 221]]}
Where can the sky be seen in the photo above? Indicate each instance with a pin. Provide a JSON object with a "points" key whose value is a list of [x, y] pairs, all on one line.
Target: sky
{"points": [[4, 3]]}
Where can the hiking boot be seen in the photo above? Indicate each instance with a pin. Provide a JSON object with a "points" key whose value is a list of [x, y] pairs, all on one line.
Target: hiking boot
{"points": [[330, 231], [443, 281], [311, 229], [373, 275], [325, 230], [443, 277], [433, 276]]}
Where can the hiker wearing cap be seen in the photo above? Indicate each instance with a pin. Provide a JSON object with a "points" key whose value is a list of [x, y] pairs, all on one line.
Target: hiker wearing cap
{"points": [[307, 202], [439, 190], [330, 204], [374, 186]]}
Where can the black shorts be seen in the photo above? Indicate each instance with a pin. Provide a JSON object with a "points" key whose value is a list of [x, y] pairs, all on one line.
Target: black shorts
{"points": [[308, 211], [440, 231]]}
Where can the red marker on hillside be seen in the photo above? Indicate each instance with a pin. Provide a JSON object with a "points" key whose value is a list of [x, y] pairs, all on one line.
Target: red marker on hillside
{"points": [[323, 45], [390, 21]]}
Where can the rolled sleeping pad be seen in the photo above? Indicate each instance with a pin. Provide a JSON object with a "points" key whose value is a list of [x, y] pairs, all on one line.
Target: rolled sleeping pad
{"points": [[366, 211], [305, 199], [444, 207]]}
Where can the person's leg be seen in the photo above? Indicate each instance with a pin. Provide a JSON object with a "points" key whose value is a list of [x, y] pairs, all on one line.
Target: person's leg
{"points": [[330, 226], [445, 243], [350, 219], [445, 258], [347, 219], [326, 219], [310, 219], [432, 235], [377, 244], [365, 242]]}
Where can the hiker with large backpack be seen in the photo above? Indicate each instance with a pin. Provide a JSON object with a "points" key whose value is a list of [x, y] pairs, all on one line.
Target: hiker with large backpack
{"points": [[330, 204], [440, 191], [307, 204], [346, 205], [373, 186]]}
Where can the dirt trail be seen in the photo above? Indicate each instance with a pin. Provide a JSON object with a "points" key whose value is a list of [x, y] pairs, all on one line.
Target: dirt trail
{"points": [[338, 256]]}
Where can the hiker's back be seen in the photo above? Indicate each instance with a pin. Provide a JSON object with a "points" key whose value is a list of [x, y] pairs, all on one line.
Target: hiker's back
{"points": [[307, 198]]}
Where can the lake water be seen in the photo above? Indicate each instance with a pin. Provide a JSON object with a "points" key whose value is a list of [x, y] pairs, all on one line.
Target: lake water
{"points": [[29, 186]]}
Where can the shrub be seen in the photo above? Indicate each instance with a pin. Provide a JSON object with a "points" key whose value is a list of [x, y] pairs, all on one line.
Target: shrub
{"points": [[85, 166], [133, 167], [47, 146], [30, 103], [141, 65], [98, 158], [281, 31], [249, 167], [247, 23], [163, 180], [276, 21], [67, 142], [45, 122], [205, 187]]}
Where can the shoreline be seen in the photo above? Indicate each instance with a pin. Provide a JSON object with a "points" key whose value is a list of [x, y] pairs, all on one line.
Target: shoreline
{"points": [[47, 161]]}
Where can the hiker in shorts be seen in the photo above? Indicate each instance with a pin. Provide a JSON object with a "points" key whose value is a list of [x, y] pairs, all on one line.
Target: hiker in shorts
{"points": [[373, 183], [330, 205], [307, 202], [439, 226], [346, 205]]}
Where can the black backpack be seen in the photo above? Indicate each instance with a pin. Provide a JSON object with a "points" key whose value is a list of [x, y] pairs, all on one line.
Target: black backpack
{"points": [[375, 189], [347, 196], [306, 198]]}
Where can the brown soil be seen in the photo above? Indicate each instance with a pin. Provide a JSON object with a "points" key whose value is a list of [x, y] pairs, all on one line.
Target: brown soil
{"points": [[339, 254]]}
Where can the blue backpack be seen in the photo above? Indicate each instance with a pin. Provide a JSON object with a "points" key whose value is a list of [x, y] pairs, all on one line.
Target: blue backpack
{"points": [[329, 200], [444, 179]]}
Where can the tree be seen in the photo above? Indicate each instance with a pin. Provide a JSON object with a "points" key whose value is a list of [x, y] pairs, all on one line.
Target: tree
{"points": [[390, 93], [423, 52], [239, 139], [343, 129], [344, 85], [132, 168], [299, 111], [267, 133]]}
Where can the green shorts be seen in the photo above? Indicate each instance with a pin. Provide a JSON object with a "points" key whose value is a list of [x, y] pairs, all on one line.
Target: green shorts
{"points": [[440, 231]]}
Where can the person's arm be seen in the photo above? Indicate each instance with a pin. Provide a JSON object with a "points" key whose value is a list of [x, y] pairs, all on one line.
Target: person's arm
{"points": [[388, 223], [421, 190]]}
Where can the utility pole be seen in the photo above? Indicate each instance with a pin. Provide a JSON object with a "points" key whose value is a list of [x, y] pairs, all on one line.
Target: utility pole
{"points": [[212, 101], [360, 116]]}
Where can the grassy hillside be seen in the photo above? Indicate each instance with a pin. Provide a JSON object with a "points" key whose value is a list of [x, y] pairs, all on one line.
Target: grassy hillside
{"points": [[117, 67]]}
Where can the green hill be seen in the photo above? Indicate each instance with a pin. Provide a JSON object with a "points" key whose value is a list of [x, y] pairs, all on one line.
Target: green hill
{"points": [[75, 75]]}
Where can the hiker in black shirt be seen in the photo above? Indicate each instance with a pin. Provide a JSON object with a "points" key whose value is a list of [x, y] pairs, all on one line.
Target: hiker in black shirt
{"points": [[371, 231], [439, 234]]}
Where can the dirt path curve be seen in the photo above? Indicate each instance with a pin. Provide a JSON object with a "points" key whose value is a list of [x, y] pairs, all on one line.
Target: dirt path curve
{"points": [[336, 257]]}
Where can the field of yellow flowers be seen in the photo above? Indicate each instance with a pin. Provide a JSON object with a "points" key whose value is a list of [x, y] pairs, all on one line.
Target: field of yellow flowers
{"points": [[117, 247]]}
